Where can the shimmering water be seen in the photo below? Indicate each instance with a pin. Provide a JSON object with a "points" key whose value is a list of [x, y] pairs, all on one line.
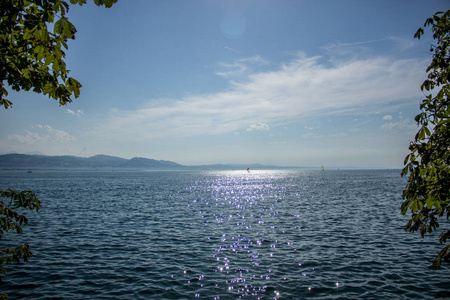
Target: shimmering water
{"points": [[221, 235]]}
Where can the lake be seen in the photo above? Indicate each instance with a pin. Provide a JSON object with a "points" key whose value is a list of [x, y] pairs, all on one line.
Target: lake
{"points": [[288, 234]]}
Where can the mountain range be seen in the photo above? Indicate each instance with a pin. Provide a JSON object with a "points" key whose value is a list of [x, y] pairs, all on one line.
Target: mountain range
{"points": [[32, 162]]}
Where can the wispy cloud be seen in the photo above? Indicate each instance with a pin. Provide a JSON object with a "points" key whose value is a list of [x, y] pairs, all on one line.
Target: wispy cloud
{"points": [[334, 46], [77, 113], [402, 125], [258, 127], [300, 88], [242, 66], [41, 134], [234, 50], [400, 44]]}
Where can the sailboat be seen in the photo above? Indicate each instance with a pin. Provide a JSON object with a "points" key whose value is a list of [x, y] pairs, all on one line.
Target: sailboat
{"points": [[322, 168]]}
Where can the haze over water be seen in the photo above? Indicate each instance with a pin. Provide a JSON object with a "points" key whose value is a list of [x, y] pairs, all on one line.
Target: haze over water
{"points": [[222, 235]]}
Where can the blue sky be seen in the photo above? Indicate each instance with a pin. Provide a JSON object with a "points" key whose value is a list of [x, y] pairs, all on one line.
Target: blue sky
{"points": [[292, 83]]}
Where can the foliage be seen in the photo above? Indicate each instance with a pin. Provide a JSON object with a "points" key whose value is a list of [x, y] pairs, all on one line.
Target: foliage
{"points": [[427, 193], [12, 221], [31, 55]]}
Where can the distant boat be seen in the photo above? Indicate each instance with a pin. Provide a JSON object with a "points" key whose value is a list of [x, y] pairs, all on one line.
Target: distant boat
{"points": [[29, 171], [322, 168]]}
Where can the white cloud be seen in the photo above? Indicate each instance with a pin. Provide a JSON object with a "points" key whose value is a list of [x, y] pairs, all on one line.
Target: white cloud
{"points": [[403, 125], [242, 66], [28, 138], [301, 88], [387, 117], [258, 126], [231, 49], [400, 45], [59, 135], [46, 134], [77, 113]]}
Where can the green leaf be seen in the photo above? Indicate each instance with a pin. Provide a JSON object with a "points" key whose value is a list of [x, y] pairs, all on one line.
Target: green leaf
{"points": [[419, 32], [404, 207], [73, 86], [56, 67], [406, 159], [48, 59], [443, 254], [414, 206], [39, 50], [58, 27], [420, 134]]}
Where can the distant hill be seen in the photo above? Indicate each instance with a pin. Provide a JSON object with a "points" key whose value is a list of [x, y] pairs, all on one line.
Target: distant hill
{"points": [[32, 162], [23, 161]]}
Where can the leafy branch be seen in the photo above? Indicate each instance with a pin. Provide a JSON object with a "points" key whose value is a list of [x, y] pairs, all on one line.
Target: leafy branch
{"points": [[12, 221], [31, 56], [427, 196]]}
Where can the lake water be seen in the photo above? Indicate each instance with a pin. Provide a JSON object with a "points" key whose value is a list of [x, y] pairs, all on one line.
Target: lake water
{"points": [[221, 235]]}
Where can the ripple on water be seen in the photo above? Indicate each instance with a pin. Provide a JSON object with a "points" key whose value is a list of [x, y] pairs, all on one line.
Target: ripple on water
{"points": [[222, 235]]}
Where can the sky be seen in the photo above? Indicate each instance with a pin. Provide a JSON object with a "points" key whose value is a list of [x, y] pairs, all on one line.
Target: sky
{"points": [[288, 83]]}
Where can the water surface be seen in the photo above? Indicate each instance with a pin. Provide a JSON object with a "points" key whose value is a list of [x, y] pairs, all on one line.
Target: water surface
{"points": [[221, 235]]}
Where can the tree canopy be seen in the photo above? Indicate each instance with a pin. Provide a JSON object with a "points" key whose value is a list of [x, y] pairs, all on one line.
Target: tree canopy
{"points": [[32, 57], [427, 193], [12, 221], [33, 36]]}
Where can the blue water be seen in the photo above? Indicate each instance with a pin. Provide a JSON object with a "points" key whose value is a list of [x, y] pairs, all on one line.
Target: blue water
{"points": [[221, 235]]}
